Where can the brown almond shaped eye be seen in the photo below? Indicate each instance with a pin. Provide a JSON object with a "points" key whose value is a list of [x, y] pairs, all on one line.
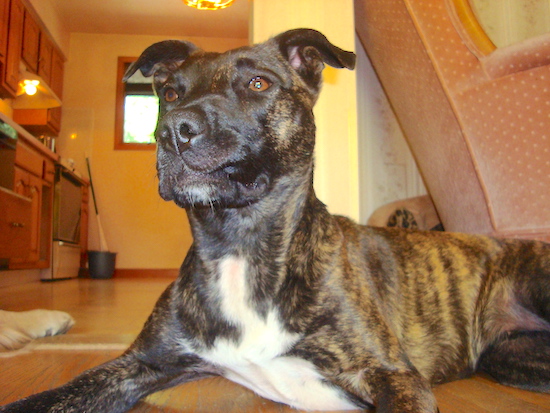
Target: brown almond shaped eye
{"points": [[170, 95], [259, 84]]}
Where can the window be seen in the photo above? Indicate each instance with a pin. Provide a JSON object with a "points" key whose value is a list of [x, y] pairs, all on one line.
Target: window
{"points": [[136, 110]]}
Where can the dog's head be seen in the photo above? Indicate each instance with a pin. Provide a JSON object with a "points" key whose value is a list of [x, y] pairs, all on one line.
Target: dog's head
{"points": [[231, 124]]}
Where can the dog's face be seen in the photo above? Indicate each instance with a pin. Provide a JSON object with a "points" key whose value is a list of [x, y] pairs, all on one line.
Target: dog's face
{"points": [[231, 124]]}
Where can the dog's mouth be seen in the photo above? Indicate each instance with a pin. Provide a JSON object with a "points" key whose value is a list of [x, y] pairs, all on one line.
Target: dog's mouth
{"points": [[251, 181], [233, 185], [250, 178]]}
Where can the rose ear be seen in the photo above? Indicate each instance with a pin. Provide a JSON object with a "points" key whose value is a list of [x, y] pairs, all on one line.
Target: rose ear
{"points": [[166, 52], [306, 50]]}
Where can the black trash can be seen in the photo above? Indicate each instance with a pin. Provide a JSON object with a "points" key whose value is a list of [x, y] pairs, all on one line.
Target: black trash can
{"points": [[101, 264]]}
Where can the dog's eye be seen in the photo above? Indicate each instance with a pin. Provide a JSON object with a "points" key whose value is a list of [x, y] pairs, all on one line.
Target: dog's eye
{"points": [[259, 84], [170, 95]]}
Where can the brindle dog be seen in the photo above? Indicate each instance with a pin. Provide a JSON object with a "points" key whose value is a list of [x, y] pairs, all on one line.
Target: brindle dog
{"points": [[301, 306]]}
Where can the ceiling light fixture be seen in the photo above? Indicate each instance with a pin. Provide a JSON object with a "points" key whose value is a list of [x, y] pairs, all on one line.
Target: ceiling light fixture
{"points": [[209, 4]]}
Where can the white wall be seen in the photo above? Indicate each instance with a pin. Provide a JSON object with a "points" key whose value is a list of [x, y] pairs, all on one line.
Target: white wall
{"points": [[387, 169]]}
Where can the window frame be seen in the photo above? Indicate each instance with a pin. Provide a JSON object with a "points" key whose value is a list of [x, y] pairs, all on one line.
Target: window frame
{"points": [[119, 143]]}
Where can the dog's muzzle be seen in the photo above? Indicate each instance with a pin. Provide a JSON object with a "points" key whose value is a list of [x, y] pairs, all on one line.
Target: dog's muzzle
{"points": [[180, 127], [203, 159]]}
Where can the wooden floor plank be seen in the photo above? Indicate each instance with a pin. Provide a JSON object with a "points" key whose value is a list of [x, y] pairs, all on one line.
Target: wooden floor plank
{"points": [[110, 313], [538, 399], [479, 394]]}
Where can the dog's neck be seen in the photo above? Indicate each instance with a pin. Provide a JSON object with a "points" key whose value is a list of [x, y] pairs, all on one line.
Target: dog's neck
{"points": [[246, 231], [268, 231], [265, 238]]}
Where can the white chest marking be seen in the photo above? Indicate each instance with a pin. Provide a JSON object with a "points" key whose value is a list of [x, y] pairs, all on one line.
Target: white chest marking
{"points": [[257, 360]]}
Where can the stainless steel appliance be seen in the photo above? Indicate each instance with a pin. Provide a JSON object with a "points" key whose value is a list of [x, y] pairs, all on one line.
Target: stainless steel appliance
{"points": [[66, 226]]}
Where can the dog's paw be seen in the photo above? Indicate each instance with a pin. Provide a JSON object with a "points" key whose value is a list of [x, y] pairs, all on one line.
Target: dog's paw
{"points": [[11, 339], [19, 328]]}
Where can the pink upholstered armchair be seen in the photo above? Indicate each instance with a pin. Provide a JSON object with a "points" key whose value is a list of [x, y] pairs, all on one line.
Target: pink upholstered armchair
{"points": [[477, 118]]}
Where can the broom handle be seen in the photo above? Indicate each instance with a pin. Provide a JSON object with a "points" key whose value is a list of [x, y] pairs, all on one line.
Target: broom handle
{"points": [[92, 185], [102, 241]]}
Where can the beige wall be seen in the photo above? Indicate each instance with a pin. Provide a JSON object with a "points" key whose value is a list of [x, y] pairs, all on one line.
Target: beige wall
{"points": [[336, 155], [145, 231]]}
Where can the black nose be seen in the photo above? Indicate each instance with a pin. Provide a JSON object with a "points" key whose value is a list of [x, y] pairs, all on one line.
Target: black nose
{"points": [[181, 128]]}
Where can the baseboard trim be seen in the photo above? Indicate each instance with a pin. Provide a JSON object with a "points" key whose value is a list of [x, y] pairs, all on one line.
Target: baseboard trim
{"points": [[146, 272], [9, 278]]}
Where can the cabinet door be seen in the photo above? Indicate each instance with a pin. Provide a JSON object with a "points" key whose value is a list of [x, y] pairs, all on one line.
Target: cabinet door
{"points": [[4, 18], [35, 194], [21, 182], [15, 225], [45, 58], [49, 171], [58, 64], [30, 187], [31, 35], [10, 76], [39, 121], [54, 119]]}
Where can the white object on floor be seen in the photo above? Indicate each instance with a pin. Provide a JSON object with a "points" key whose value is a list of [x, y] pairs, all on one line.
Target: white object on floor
{"points": [[20, 328]]}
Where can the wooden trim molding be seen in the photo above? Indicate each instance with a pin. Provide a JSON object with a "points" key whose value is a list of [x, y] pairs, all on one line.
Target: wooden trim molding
{"points": [[469, 28], [119, 144], [9, 278]]}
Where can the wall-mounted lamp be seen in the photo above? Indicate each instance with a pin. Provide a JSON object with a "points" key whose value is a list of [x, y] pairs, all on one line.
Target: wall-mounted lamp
{"points": [[34, 93], [209, 4]]}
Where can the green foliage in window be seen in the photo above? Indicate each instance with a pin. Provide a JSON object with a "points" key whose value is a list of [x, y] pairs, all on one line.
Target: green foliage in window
{"points": [[140, 118]]}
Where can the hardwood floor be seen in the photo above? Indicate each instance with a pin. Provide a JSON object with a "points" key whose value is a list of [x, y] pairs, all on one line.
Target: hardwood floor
{"points": [[110, 313]]}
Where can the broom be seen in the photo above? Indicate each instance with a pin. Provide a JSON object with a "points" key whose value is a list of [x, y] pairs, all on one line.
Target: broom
{"points": [[102, 241]]}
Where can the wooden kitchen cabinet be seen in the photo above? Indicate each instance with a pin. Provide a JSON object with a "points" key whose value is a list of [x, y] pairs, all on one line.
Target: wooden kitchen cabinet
{"points": [[33, 181], [24, 38], [15, 225], [39, 121], [45, 121], [29, 186], [9, 76], [4, 19], [31, 38], [26, 209], [40, 54]]}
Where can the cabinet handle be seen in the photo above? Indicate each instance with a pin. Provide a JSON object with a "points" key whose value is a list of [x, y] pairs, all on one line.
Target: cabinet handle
{"points": [[17, 225]]}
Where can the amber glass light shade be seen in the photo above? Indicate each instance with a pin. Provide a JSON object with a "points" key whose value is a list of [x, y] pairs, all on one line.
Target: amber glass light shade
{"points": [[208, 4]]}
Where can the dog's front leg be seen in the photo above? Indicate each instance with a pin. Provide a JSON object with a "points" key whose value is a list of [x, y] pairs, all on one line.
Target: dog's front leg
{"points": [[403, 392], [113, 387], [391, 391], [155, 361]]}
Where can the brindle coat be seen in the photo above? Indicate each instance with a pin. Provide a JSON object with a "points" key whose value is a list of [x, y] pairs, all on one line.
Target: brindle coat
{"points": [[304, 307]]}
